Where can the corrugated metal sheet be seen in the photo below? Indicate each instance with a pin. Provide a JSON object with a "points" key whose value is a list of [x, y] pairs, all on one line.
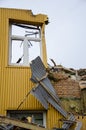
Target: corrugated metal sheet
{"points": [[43, 96], [67, 124], [53, 118], [14, 86], [44, 92], [14, 81], [38, 72], [38, 93]]}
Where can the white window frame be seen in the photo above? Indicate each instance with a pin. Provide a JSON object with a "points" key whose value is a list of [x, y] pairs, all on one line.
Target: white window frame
{"points": [[27, 111], [44, 119], [23, 39]]}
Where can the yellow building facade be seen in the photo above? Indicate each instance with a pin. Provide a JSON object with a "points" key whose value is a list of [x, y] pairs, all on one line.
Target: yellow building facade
{"points": [[16, 28]]}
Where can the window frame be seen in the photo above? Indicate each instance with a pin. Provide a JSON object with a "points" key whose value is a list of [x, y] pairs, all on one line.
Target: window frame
{"points": [[14, 112], [26, 62]]}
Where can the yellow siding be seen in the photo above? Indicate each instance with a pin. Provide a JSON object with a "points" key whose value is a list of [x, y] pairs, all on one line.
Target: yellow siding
{"points": [[53, 118], [83, 120], [14, 86], [15, 81], [23, 16]]}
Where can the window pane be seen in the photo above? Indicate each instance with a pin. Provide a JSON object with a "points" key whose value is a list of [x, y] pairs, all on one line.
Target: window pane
{"points": [[34, 50], [24, 44], [37, 117], [18, 30], [17, 51]]}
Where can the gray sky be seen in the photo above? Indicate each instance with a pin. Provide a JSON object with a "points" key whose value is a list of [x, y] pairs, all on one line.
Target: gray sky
{"points": [[65, 34]]}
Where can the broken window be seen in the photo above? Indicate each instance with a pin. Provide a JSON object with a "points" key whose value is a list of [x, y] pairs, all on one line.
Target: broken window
{"points": [[24, 43], [38, 117]]}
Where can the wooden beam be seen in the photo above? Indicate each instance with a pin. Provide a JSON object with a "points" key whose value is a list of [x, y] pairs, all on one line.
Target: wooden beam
{"points": [[21, 124]]}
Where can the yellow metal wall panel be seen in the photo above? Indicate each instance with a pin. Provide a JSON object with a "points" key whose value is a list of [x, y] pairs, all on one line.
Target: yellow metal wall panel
{"points": [[83, 120], [16, 85], [15, 81], [23, 16], [53, 118]]}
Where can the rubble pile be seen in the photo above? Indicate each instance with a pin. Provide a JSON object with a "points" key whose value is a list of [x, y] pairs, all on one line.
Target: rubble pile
{"points": [[70, 85]]}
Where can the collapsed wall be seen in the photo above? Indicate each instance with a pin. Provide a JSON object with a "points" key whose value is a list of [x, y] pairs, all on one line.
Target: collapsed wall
{"points": [[67, 85]]}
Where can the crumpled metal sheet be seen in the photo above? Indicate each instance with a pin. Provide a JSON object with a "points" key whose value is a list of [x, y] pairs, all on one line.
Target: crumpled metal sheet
{"points": [[38, 71], [44, 97], [67, 125], [44, 91], [39, 94]]}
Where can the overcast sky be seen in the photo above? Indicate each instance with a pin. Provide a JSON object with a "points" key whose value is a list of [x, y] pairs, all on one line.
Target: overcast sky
{"points": [[66, 32]]}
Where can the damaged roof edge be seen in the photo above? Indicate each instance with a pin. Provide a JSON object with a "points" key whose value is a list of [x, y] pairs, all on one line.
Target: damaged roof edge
{"points": [[42, 18]]}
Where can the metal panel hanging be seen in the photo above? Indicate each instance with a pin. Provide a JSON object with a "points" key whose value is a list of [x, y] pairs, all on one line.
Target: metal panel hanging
{"points": [[44, 90]]}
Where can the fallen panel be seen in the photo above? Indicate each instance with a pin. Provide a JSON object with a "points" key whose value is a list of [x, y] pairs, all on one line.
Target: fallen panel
{"points": [[44, 97], [38, 93], [45, 92], [39, 71]]}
